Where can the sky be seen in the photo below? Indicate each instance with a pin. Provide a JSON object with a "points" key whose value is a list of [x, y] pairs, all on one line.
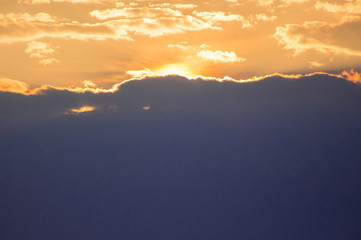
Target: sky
{"points": [[66, 43], [176, 120]]}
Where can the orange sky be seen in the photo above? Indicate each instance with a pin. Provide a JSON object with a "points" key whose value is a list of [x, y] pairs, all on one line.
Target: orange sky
{"points": [[92, 43]]}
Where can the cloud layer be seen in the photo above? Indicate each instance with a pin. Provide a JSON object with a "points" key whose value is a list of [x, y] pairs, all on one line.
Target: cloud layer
{"points": [[258, 160]]}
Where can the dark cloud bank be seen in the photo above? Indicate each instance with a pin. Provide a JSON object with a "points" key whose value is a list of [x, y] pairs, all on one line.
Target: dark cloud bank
{"points": [[275, 159]]}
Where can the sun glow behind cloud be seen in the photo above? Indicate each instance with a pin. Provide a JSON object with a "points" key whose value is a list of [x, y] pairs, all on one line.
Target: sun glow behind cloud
{"points": [[175, 69], [179, 69], [10, 85]]}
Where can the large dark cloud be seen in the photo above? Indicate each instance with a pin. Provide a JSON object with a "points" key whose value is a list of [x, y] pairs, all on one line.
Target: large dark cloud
{"points": [[275, 159]]}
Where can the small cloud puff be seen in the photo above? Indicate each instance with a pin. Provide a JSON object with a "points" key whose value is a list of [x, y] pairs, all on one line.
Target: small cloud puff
{"points": [[315, 64], [41, 51], [89, 84], [220, 56]]}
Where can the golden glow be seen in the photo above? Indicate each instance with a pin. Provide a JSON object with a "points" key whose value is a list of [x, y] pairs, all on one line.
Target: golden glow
{"points": [[174, 69]]}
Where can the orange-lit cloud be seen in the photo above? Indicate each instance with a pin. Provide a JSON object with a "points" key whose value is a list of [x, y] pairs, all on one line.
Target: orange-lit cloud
{"points": [[151, 21], [352, 76], [261, 17], [182, 45], [219, 17], [83, 109], [117, 23], [175, 5], [89, 84], [315, 64], [216, 18], [220, 56], [140, 73], [203, 51], [185, 46], [41, 51], [21, 18], [11, 85], [349, 7], [27, 27], [265, 2], [165, 70]]}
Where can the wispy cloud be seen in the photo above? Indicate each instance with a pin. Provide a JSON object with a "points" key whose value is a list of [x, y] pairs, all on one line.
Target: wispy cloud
{"points": [[203, 51], [175, 5], [181, 45], [350, 7], [135, 13], [118, 23], [151, 21], [280, 3], [321, 37], [219, 17], [26, 27], [139, 73]]}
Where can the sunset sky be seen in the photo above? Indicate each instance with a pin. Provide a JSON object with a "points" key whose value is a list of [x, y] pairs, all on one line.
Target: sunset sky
{"points": [[180, 120], [64, 43]]}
